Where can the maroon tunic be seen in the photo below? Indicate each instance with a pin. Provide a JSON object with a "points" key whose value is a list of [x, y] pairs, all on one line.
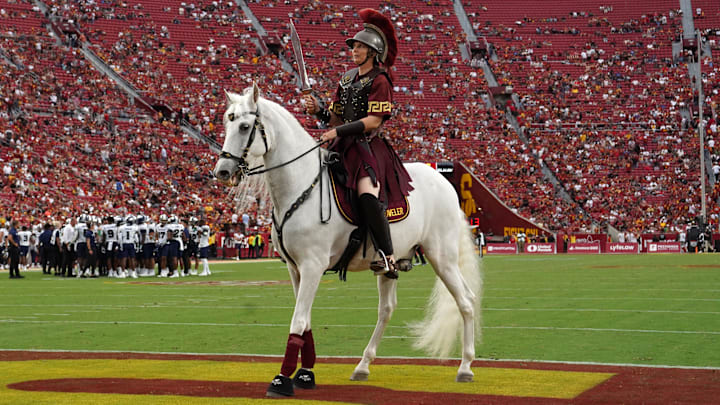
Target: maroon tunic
{"points": [[378, 157]]}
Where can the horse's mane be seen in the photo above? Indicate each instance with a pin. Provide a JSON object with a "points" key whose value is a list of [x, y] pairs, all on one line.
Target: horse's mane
{"points": [[285, 116], [267, 104]]}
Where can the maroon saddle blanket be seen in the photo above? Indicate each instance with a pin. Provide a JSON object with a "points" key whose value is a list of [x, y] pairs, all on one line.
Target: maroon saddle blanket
{"points": [[396, 210]]}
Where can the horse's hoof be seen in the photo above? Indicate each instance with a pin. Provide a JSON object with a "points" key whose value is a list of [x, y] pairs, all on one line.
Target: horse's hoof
{"points": [[304, 379], [359, 376], [280, 387], [464, 377]]}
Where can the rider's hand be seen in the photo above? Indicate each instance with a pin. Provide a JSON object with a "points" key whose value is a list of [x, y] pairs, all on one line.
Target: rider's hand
{"points": [[311, 105], [329, 135]]}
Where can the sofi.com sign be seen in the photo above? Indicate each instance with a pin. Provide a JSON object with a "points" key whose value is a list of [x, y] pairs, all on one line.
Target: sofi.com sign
{"points": [[540, 248]]}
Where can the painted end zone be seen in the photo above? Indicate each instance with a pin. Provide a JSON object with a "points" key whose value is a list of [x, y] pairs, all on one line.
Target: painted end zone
{"points": [[140, 378]]}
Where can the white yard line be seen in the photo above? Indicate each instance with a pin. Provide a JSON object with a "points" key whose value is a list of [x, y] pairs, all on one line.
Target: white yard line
{"points": [[289, 307], [284, 325], [321, 296]]}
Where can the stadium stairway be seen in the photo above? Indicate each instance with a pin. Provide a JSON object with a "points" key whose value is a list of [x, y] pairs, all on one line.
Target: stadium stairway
{"points": [[689, 31], [491, 80]]}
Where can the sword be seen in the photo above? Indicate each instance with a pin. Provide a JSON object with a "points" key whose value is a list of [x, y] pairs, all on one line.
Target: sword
{"points": [[297, 51]]}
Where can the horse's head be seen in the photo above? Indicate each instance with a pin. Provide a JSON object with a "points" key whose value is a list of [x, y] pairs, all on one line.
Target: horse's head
{"points": [[245, 137]]}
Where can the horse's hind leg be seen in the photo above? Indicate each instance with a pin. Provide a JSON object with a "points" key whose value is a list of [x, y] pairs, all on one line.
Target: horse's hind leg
{"points": [[387, 289], [445, 263], [465, 300]]}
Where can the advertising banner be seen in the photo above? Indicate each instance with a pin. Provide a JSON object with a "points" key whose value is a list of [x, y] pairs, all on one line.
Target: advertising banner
{"points": [[664, 247], [500, 249], [540, 248], [600, 238], [622, 248], [648, 238], [584, 248]]}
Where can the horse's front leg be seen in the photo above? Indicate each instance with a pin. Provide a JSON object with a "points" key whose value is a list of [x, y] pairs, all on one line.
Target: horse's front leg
{"points": [[300, 338], [387, 289]]}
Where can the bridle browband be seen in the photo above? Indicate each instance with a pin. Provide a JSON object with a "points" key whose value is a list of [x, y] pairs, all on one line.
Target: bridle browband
{"points": [[242, 163]]}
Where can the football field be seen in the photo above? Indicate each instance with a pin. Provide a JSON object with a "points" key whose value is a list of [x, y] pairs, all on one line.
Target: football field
{"points": [[586, 311]]}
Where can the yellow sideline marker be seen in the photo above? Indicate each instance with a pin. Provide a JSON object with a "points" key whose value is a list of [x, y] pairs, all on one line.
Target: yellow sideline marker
{"points": [[419, 378]]}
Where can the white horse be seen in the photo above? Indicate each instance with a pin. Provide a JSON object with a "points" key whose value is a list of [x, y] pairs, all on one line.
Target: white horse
{"points": [[261, 130]]}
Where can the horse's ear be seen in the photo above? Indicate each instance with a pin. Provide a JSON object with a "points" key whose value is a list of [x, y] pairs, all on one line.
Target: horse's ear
{"points": [[255, 92], [231, 97]]}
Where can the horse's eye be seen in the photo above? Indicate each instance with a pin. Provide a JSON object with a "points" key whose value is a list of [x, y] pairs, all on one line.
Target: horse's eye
{"points": [[244, 126], [231, 117]]}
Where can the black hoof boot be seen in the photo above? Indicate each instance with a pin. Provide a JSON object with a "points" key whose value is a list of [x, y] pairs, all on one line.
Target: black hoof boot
{"points": [[304, 379], [280, 387]]}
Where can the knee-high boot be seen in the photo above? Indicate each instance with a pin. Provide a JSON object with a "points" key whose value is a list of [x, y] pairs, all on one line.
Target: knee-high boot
{"points": [[373, 214]]}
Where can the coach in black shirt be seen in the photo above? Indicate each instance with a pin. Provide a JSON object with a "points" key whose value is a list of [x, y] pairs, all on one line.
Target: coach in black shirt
{"points": [[45, 248], [14, 250]]}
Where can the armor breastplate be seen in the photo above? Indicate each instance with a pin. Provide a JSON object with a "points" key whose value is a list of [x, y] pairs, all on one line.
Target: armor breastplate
{"points": [[353, 103]]}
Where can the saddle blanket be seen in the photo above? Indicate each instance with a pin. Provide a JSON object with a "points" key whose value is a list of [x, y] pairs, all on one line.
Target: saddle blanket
{"points": [[396, 211]]}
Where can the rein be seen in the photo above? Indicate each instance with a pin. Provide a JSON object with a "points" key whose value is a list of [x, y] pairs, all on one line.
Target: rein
{"points": [[246, 171], [242, 163]]}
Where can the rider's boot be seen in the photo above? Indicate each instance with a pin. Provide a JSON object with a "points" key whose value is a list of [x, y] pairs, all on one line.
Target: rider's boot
{"points": [[374, 214]]}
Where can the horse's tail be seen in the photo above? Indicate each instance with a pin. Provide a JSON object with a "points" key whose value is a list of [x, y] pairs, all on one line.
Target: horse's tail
{"points": [[438, 333]]}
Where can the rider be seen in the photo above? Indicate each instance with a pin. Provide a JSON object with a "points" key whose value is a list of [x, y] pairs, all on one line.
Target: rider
{"points": [[362, 104]]}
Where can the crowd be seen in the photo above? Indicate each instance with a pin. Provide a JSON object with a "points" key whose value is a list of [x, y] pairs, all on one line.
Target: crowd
{"points": [[602, 102], [73, 141]]}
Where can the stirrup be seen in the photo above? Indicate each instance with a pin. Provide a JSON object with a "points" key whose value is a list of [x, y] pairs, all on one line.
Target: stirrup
{"points": [[384, 267]]}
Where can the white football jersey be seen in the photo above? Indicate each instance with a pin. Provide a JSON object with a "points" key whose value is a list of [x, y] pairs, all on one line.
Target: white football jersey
{"points": [[175, 232], [80, 233], [194, 233], [161, 234], [128, 234], [204, 236], [150, 236], [142, 232], [24, 238]]}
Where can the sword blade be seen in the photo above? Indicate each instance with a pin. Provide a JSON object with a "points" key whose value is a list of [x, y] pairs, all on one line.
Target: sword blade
{"points": [[299, 59]]}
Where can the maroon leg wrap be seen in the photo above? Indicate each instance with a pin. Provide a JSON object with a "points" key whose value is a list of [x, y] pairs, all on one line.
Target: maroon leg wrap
{"points": [[307, 352], [289, 364]]}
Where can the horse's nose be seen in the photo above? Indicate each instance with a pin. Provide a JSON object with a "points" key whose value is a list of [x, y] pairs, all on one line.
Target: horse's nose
{"points": [[223, 169], [223, 174]]}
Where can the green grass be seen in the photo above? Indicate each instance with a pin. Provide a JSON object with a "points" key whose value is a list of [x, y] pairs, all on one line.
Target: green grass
{"points": [[648, 309]]}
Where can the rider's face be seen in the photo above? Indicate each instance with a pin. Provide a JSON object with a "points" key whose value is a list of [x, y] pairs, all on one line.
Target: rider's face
{"points": [[359, 52]]}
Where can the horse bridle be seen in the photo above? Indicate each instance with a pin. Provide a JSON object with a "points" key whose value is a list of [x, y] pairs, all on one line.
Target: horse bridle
{"points": [[246, 171], [242, 163]]}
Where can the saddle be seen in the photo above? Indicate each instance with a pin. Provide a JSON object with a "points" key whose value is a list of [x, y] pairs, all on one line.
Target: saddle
{"points": [[347, 204]]}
